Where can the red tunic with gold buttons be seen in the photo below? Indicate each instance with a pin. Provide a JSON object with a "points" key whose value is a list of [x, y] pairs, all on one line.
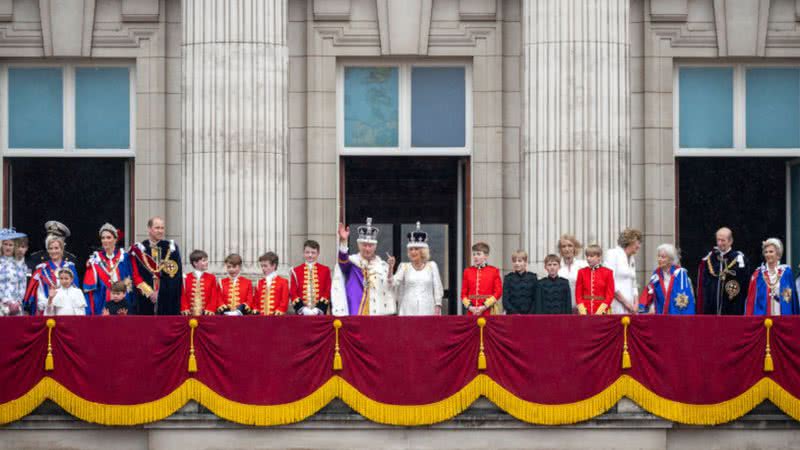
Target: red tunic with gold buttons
{"points": [[235, 295], [199, 296], [481, 286], [310, 286], [272, 301], [594, 290]]}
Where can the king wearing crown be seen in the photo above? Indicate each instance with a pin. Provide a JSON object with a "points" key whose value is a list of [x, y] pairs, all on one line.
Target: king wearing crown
{"points": [[360, 282]]}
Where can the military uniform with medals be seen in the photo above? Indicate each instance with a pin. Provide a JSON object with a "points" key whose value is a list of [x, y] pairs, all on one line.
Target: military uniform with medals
{"points": [[723, 280], [157, 268]]}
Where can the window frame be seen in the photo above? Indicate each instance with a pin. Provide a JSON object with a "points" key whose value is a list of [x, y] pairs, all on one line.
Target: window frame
{"points": [[404, 147], [739, 112], [68, 103]]}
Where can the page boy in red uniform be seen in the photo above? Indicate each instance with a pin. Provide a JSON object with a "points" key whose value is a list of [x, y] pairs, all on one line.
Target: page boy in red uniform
{"points": [[594, 288], [481, 286]]}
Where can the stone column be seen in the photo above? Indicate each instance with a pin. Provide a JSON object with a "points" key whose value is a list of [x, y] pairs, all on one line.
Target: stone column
{"points": [[234, 147], [576, 129]]}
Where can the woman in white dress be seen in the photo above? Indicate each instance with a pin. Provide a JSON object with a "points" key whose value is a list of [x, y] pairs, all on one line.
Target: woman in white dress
{"points": [[620, 260], [417, 284], [569, 247]]}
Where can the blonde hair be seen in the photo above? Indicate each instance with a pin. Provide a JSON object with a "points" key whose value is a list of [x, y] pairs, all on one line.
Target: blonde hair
{"points": [[593, 250], [522, 254], [628, 236], [571, 238], [52, 238]]}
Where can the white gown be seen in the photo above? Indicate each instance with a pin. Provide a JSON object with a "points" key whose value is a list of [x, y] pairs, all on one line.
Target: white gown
{"points": [[571, 274], [418, 291], [624, 269]]}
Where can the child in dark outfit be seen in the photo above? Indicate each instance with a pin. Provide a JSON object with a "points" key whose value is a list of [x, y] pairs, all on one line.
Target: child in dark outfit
{"points": [[519, 286], [554, 295], [116, 305]]}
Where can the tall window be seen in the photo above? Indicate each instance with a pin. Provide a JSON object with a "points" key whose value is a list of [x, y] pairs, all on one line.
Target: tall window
{"points": [[743, 109], [404, 108], [68, 109]]}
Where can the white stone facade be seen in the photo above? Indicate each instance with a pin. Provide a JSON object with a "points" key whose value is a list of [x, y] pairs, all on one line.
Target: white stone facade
{"points": [[236, 106]]}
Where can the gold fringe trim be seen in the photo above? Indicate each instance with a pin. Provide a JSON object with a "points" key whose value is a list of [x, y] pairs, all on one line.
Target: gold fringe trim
{"points": [[409, 415], [403, 415]]}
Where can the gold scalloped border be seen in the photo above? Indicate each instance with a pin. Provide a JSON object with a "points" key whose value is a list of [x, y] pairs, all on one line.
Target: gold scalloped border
{"points": [[404, 415]]}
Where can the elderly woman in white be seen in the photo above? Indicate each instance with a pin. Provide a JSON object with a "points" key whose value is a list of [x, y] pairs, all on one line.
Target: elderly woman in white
{"points": [[417, 284], [620, 260]]}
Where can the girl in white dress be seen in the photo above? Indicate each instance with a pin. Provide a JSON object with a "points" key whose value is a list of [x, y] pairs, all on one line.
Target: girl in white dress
{"points": [[67, 300], [417, 284]]}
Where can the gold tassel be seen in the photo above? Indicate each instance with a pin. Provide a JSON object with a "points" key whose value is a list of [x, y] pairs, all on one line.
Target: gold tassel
{"points": [[48, 360], [626, 357], [768, 365], [192, 359], [337, 358], [481, 354]]}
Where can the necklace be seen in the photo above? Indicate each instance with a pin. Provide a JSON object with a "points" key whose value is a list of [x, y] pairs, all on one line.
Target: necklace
{"points": [[772, 286]]}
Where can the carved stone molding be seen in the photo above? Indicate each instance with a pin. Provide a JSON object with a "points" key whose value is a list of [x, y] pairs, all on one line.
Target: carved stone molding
{"points": [[477, 9], [127, 36], [741, 27], [140, 10], [6, 10], [681, 36], [669, 10], [465, 35], [67, 27], [347, 36], [404, 26], [12, 36], [334, 10]]}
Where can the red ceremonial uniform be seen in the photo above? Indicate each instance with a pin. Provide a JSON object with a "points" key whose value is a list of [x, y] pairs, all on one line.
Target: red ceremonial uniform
{"points": [[594, 290], [235, 295], [481, 285], [200, 296], [310, 287], [272, 301]]}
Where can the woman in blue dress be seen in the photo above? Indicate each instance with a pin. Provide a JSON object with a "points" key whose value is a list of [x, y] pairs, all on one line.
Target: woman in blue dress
{"points": [[45, 276], [772, 290], [104, 268], [669, 290]]}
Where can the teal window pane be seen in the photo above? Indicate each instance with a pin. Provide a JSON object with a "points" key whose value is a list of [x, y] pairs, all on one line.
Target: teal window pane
{"points": [[102, 107], [706, 107], [35, 108], [438, 102], [773, 108], [370, 106], [794, 172]]}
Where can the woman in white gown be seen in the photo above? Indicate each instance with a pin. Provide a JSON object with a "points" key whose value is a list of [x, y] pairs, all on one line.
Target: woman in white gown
{"points": [[417, 284]]}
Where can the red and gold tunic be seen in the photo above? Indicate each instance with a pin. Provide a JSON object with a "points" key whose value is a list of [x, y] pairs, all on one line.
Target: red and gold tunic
{"points": [[310, 286], [594, 290], [481, 286], [272, 300], [200, 295], [236, 294]]}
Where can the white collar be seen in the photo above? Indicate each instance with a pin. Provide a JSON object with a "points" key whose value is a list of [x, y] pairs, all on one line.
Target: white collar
{"points": [[271, 276], [198, 274]]}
